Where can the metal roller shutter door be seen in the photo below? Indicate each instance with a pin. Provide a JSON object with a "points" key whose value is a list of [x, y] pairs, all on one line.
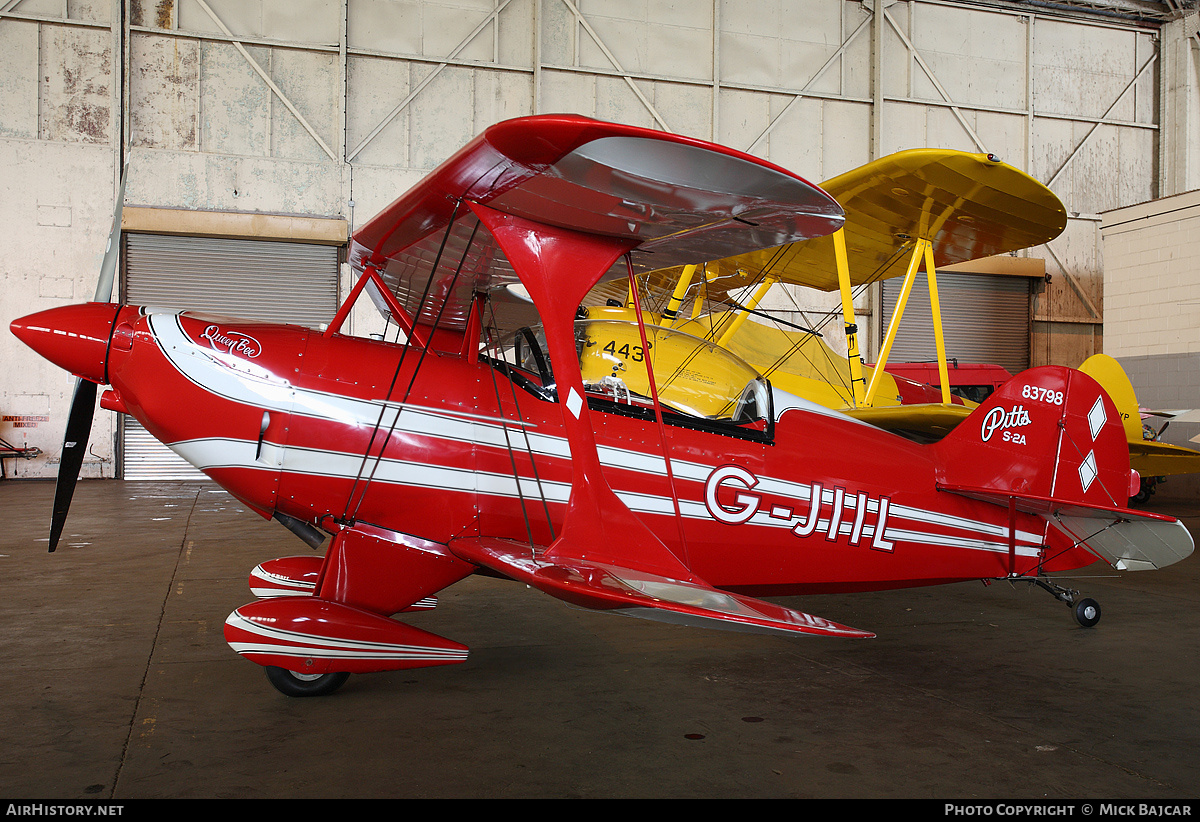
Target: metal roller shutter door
{"points": [[253, 279], [985, 319]]}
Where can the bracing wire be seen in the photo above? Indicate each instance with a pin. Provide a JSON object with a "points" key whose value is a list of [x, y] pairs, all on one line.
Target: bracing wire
{"points": [[495, 349], [347, 515]]}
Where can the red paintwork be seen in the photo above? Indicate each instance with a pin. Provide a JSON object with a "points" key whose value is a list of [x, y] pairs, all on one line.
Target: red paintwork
{"points": [[476, 473], [74, 337], [915, 393], [973, 380], [315, 636], [286, 576], [384, 575]]}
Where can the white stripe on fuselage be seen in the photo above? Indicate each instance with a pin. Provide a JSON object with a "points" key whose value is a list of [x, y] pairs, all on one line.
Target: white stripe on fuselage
{"points": [[241, 381]]}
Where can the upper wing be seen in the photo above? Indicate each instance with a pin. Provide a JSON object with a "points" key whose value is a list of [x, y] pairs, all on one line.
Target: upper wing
{"points": [[969, 206], [678, 199]]}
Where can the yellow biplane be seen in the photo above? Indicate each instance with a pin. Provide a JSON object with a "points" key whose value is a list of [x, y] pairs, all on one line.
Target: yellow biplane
{"points": [[911, 211], [1150, 457]]}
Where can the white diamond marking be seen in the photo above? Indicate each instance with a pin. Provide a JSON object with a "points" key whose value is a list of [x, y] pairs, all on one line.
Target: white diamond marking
{"points": [[574, 403], [1087, 470], [1097, 417]]}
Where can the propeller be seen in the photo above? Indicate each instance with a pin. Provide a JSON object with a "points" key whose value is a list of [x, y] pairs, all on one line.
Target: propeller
{"points": [[83, 401]]}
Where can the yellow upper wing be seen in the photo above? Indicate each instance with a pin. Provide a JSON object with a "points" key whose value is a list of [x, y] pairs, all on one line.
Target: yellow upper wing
{"points": [[969, 206]]}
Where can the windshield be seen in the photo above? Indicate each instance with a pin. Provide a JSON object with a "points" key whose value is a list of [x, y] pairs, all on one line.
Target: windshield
{"points": [[694, 377]]}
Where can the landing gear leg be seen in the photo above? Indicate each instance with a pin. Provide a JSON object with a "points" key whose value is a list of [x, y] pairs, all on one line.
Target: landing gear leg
{"points": [[1087, 611]]}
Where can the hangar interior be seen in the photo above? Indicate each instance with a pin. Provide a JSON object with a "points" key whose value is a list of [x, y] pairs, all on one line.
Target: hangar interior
{"points": [[266, 131], [259, 134]]}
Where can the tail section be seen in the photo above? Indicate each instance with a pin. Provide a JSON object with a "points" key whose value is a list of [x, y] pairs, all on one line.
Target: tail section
{"points": [[1048, 432], [1113, 379], [1149, 456], [1051, 442]]}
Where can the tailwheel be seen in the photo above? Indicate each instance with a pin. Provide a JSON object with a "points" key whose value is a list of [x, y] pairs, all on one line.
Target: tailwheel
{"points": [[1087, 612], [292, 683]]}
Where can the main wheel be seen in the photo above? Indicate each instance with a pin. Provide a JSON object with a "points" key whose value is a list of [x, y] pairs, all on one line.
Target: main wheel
{"points": [[1087, 612], [1145, 489], [292, 683]]}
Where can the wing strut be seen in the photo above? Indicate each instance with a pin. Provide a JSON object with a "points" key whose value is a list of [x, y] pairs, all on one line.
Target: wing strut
{"points": [[740, 316], [558, 267], [370, 276], [681, 288], [922, 251], [857, 382]]}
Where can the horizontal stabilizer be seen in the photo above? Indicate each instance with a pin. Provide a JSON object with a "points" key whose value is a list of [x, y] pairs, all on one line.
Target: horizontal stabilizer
{"points": [[643, 594], [1130, 545], [1151, 458], [1128, 540]]}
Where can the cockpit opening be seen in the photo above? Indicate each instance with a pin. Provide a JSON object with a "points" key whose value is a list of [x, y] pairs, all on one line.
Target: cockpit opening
{"points": [[699, 384]]}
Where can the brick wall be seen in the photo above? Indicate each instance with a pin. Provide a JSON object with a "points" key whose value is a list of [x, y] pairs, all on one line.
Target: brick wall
{"points": [[1152, 309]]}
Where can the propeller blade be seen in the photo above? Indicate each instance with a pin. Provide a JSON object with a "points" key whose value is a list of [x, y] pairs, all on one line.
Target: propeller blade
{"points": [[75, 441], [83, 403], [108, 266]]}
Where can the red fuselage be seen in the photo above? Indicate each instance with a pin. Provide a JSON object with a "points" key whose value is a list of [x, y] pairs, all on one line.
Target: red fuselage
{"points": [[293, 421]]}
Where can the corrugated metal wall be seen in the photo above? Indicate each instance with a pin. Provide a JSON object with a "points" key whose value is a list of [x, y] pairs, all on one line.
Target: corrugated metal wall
{"points": [[251, 279], [985, 319]]}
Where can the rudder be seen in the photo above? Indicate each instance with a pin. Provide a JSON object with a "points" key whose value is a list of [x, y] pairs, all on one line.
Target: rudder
{"points": [[1113, 379], [1050, 432]]}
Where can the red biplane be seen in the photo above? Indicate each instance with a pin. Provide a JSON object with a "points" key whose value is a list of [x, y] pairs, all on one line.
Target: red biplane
{"points": [[461, 451]]}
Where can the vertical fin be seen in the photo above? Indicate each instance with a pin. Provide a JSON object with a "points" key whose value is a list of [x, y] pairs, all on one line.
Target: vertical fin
{"points": [[1048, 432]]}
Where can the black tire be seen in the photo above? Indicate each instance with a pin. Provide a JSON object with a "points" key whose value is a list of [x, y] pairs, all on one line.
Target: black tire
{"points": [[1144, 492], [1087, 612], [291, 683]]}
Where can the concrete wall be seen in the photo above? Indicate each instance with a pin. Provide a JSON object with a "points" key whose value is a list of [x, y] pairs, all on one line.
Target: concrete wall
{"points": [[332, 109], [1180, 92], [1152, 298]]}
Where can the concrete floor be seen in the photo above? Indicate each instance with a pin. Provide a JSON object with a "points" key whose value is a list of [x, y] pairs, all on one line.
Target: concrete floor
{"points": [[118, 683]]}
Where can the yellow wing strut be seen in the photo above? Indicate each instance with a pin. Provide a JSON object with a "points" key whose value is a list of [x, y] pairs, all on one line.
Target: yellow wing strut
{"points": [[909, 278], [852, 353], [681, 288], [935, 307], [751, 304], [923, 250]]}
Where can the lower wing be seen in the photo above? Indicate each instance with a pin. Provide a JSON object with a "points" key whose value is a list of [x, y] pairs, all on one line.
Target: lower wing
{"points": [[641, 593]]}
